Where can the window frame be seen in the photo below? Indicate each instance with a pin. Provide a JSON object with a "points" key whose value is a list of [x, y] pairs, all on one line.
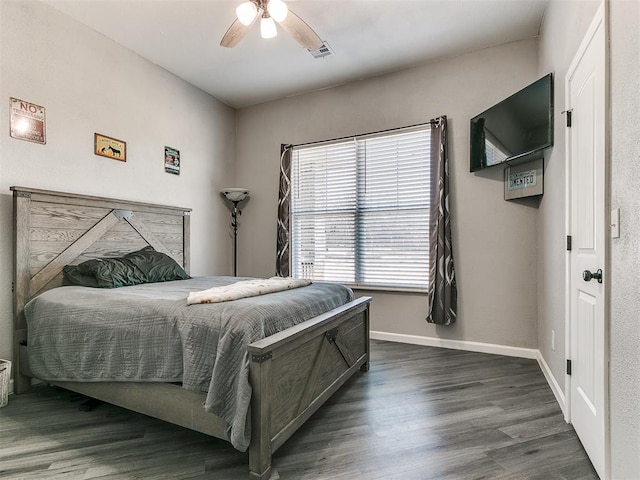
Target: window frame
{"points": [[426, 128]]}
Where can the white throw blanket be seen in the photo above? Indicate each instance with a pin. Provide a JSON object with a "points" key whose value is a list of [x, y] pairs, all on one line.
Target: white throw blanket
{"points": [[246, 288]]}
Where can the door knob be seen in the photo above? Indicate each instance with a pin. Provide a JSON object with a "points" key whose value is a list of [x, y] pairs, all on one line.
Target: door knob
{"points": [[587, 275]]}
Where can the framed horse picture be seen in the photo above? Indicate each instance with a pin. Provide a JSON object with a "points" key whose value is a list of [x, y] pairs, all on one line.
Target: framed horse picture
{"points": [[109, 147]]}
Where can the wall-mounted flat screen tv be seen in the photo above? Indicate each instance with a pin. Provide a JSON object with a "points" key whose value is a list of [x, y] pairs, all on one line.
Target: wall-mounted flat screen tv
{"points": [[515, 129]]}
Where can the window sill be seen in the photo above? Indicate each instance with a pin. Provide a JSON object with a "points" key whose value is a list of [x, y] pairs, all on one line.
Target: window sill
{"points": [[387, 289]]}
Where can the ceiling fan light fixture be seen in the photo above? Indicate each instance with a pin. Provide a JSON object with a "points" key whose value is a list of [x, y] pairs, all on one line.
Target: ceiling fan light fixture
{"points": [[291, 23], [247, 12], [278, 10], [268, 27]]}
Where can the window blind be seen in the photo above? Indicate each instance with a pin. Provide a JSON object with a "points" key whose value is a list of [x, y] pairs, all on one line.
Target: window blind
{"points": [[360, 210]]}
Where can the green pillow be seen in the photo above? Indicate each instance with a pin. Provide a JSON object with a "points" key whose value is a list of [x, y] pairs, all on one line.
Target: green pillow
{"points": [[156, 266], [75, 275], [142, 266]]}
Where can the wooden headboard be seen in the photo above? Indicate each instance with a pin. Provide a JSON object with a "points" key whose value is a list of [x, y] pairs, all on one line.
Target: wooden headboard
{"points": [[54, 229]]}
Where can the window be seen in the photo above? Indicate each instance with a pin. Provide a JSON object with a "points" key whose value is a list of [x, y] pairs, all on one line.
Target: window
{"points": [[360, 210]]}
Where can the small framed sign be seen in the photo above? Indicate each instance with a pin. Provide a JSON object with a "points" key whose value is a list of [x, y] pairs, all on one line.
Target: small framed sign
{"points": [[28, 121], [109, 147], [171, 160], [524, 180]]}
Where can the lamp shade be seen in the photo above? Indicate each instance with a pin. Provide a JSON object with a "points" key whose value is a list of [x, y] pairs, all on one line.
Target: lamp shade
{"points": [[235, 194], [268, 27], [246, 12], [278, 10]]}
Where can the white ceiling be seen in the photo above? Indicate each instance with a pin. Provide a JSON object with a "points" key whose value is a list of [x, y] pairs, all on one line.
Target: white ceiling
{"points": [[369, 37]]}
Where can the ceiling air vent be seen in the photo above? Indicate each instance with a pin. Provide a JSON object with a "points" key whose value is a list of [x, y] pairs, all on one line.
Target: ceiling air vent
{"points": [[323, 51]]}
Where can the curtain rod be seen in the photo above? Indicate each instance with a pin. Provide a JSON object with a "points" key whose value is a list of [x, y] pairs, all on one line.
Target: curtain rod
{"points": [[430, 122]]}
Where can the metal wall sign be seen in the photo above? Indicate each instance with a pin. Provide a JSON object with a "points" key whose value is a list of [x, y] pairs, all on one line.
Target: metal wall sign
{"points": [[524, 180], [171, 160], [109, 147], [521, 180], [28, 121]]}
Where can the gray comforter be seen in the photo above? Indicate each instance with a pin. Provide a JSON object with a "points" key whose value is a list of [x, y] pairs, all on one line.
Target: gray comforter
{"points": [[147, 333]]}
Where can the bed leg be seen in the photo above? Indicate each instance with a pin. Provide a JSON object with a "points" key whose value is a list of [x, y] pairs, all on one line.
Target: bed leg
{"points": [[365, 366], [21, 383], [260, 476], [260, 447], [259, 456], [367, 339]]}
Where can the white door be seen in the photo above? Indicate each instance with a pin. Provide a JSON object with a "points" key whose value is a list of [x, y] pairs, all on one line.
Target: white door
{"points": [[586, 95]]}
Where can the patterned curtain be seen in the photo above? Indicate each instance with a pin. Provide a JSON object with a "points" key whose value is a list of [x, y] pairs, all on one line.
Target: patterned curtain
{"points": [[284, 203], [443, 292]]}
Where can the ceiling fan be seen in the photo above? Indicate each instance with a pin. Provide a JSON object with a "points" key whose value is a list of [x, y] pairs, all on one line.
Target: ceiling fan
{"points": [[268, 11]]}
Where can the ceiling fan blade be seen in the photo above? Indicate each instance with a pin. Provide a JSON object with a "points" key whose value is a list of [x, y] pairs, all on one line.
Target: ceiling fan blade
{"points": [[301, 32], [236, 32]]}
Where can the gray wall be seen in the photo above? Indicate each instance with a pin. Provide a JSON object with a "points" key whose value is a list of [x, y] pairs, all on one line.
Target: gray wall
{"points": [[494, 240], [90, 84], [625, 251]]}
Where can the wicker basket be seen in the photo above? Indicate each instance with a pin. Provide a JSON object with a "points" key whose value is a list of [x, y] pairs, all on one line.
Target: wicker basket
{"points": [[5, 377]]}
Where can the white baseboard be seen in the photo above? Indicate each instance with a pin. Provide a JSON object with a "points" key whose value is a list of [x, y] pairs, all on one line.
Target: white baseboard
{"points": [[492, 348], [553, 383]]}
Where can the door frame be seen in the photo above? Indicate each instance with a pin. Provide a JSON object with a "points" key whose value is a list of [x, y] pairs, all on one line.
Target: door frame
{"points": [[600, 18]]}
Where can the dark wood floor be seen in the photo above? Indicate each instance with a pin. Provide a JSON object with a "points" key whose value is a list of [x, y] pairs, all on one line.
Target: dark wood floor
{"points": [[420, 413]]}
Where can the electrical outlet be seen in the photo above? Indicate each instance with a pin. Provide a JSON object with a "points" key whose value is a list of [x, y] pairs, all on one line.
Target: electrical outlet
{"points": [[553, 340]]}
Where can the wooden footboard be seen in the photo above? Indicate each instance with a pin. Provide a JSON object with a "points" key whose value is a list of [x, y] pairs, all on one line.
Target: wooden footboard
{"points": [[295, 371]]}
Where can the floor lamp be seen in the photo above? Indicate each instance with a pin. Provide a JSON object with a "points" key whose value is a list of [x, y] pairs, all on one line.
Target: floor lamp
{"points": [[235, 196]]}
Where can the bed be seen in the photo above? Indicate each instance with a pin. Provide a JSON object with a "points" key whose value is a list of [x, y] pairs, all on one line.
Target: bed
{"points": [[291, 373]]}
